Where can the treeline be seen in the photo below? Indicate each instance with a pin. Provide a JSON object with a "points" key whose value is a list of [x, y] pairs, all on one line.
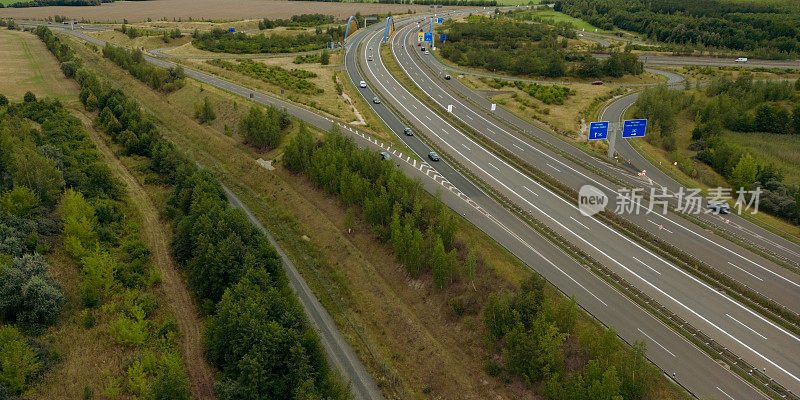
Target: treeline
{"points": [[740, 105], [257, 334], [222, 41], [305, 20], [166, 80], [421, 231], [294, 79], [474, 3], [762, 30], [538, 335], [49, 3], [502, 45]]}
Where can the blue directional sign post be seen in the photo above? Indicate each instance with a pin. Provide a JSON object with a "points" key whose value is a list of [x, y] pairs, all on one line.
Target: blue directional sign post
{"points": [[598, 130], [633, 128], [428, 37], [439, 20], [442, 37]]}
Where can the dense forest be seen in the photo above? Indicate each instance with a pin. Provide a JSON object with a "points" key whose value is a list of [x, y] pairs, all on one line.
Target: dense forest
{"points": [[304, 20], [499, 44], [740, 105], [472, 3], [257, 334], [222, 41], [761, 30]]}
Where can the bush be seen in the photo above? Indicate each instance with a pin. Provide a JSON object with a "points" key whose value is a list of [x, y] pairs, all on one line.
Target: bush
{"points": [[28, 294], [19, 201], [294, 79], [220, 40], [204, 111]]}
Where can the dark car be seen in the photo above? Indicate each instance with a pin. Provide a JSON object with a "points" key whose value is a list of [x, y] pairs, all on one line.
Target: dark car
{"points": [[597, 83], [433, 156], [720, 208], [408, 132], [422, 49], [447, 77]]}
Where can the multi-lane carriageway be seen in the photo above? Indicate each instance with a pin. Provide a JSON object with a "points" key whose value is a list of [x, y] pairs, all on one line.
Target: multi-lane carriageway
{"points": [[748, 334]]}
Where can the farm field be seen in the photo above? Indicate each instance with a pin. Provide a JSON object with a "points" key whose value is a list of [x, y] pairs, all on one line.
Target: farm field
{"points": [[137, 11], [26, 65]]}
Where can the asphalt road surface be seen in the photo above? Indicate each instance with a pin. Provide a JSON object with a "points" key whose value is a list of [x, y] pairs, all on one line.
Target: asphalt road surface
{"points": [[591, 292]]}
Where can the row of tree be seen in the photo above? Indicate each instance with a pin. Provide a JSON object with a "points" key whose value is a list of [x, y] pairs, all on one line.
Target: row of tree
{"points": [[305, 20], [537, 334], [166, 80], [764, 30], [500, 44], [257, 334], [421, 230], [293, 79], [741, 105], [222, 41]]}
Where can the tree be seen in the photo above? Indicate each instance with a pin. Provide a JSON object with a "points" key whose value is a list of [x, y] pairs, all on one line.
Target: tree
{"points": [[80, 224], [745, 172], [498, 316], [19, 201], [439, 264], [204, 111], [170, 382], [18, 362], [264, 131], [29, 97], [3, 100], [28, 294], [325, 57], [37, 172]]}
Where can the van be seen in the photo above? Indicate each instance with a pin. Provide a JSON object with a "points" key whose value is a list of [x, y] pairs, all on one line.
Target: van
{"points": [[741, 59]]}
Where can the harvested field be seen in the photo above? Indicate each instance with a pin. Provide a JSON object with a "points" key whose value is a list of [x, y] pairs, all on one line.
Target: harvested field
{"points": [[26, 65], [137, 11]]}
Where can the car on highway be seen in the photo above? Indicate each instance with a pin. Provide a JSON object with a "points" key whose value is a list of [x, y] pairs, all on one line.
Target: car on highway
{"points": [[719, 208], [597, 83], [433, 156], [385, 156], [422, 49], [363, 85], [419, 43], [447, 77], [408, 132], [741, 60], [425, 52], [376, 100], [369, 58]]}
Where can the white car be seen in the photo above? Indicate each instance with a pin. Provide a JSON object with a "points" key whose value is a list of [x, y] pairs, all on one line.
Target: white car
{"points": [[741, 60], [363, 84]]}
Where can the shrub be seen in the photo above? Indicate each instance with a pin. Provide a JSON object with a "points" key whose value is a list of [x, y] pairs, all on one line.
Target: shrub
{"points": [[28, 294], [263, 130], [19, 201], [18, 362], [204, 111]]}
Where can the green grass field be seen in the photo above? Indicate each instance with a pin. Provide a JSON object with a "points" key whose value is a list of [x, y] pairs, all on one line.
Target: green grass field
{"points": [[783, 150], [561, 17]]}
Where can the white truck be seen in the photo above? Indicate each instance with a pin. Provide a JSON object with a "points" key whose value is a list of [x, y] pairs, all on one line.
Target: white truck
{"points": [[741, 59]]}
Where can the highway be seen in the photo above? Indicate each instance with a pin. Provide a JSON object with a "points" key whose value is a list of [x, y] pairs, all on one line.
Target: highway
{"points": [[724, 319], [669, 350], [762, 275], [731, 224]]}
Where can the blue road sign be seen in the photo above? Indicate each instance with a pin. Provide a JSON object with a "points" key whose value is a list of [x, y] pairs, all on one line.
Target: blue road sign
{"points": [[632, 128], [598, 130], [439, 20], [442, 37], [231, 29], [428, 37]]}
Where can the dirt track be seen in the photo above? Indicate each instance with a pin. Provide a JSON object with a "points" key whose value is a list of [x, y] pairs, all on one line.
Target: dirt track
{"points": [[201, 378], [136, 11]]}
